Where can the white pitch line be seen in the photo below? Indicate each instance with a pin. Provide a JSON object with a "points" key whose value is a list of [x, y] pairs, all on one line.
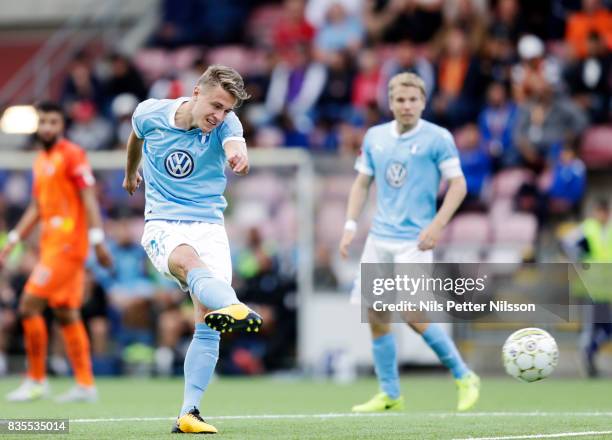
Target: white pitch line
{"points": [[346, 415], [532, 436]]}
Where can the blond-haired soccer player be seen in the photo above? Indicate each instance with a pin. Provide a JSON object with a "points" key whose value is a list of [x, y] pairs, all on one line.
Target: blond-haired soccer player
{"points": [[64, 204], [185, 144], [406, 157]]}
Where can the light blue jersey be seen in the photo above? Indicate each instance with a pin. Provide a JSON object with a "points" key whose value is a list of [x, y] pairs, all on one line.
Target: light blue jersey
{"points": [[184, 170], [407, 170]]}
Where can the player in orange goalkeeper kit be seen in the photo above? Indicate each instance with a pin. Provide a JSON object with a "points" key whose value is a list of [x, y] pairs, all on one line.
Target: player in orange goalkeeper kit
{"points": [[65, 205]]}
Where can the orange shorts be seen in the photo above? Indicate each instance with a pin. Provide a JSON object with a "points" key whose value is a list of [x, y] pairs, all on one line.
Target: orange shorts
{"points": [[61, 283]]}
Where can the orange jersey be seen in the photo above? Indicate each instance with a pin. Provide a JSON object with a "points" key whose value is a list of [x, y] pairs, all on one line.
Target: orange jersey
{"points": [[580, 25], [59, 175]]}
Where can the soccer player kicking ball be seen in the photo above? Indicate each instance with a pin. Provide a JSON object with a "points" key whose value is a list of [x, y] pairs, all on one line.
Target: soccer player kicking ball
{"points": [[186, 143], [407, 157], [65, 205]]}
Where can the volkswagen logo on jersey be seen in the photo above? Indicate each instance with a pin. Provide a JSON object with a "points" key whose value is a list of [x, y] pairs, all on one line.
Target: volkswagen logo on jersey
{"points": [[396, 174], [179, 164]]}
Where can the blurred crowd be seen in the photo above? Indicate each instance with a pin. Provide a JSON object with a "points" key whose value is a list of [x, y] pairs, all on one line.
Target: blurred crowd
{"points": [[518, 83]]}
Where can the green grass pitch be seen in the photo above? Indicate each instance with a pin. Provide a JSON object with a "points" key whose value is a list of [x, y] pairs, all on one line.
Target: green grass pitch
{"points": [[267, 408]]}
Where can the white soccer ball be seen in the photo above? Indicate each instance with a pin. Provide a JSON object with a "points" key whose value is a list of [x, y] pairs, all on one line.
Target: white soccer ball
{"points": [[530, 354]]}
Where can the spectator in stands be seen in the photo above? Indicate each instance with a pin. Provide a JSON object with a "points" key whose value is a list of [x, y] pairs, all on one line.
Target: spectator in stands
{"points": [[129, 286], [257, 82], [176, 24], [316, 10], [404, 59], [293, 29], [396, 20], [335, 98], [267, 291], [458, 96], [534, 63], [507, 20], [498, 56], [545, 124], [476, 164], [96, 318], [122, 108], [174, 322], [496, 123], [594, 17], [367, 80], [166, 87], [589, 80], [88, 128], [124, 78], [81, 85], [469, 16], [567, 186], [292, 137], [295, 85], [201, 21], [341, 31]]}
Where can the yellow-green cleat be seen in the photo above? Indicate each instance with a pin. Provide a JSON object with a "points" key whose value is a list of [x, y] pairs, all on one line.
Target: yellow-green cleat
{"points": [[468, 390], [379, 403], [233, 318], [193, 423]]}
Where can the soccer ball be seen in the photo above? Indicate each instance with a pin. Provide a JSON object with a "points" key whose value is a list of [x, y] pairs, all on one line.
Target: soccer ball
{"points": [[530, 354]]}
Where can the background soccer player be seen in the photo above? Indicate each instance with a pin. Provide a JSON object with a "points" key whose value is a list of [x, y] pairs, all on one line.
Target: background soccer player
{"points": [[186, 143], [407, 157], [65, 205]]}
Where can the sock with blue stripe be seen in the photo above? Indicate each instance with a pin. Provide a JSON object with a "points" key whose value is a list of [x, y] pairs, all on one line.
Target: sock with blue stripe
{"points": [[213, 292], [442, 344], [200, 363], [385, 365]]}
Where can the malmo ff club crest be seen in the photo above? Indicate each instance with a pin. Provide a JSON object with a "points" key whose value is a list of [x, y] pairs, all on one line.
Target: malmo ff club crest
{"points": [[396, 174], [179, 164]]}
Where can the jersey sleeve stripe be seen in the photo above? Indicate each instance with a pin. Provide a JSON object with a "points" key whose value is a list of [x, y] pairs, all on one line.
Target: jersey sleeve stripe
{"points": [[233, 138], [364, 169], [450, 168]]}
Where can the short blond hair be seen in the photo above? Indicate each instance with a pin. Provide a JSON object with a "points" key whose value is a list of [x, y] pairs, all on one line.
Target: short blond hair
{"points": [[407, 79], [229, 80]]}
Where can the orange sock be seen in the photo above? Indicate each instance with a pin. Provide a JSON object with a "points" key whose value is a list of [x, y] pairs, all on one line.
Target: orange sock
{"points": [[35, 336], [76, 344]]}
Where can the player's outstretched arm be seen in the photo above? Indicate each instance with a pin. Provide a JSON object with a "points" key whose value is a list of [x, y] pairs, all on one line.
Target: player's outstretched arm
{"points": [[457, 189], [356, 202], [237, 157], [25, 225], [96, 231], [132, 179]]}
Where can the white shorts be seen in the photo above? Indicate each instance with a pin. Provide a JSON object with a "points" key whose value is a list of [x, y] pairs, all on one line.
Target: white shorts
{"points": [[209, 240], [383, 251]]}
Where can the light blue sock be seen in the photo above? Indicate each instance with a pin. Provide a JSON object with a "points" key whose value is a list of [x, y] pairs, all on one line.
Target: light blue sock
{"points": [[385, 365], [445, 348], [213, 292], [199, 366]]}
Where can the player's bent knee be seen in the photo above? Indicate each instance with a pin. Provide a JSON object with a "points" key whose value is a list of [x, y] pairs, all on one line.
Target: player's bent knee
{"points": [[182, 260], [66, 316], [379, 329], [30, 306], [419, 327]]}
